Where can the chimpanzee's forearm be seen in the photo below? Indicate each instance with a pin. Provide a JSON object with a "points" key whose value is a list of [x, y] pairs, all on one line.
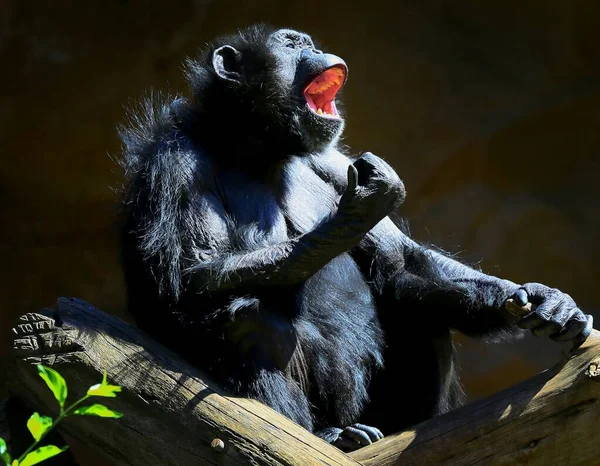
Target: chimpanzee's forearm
{"points": [[482, 300], [422, 279], [482, 290], [284, 264]]}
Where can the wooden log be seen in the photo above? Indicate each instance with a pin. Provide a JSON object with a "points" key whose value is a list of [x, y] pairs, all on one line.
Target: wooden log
{"points": [[551, 419], [173, 414]]}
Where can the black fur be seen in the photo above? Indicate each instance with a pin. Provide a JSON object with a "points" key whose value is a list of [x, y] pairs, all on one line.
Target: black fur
{"points": [[258, 250]]}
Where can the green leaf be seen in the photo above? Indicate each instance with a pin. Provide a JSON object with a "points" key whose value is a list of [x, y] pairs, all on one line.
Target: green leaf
{"points": [[98, 410], [15, 463], [38, 425], [104, 389], [41, 454], [4, 451], [55, 382]]}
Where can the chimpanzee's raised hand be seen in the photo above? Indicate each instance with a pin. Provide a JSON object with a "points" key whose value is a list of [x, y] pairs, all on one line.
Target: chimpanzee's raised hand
{"points": [[374, 191], [556, 315]]}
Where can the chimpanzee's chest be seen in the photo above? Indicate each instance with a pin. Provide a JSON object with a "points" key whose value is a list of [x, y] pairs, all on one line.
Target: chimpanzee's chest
{"points": [[310, 188], [253, 216], [304, 193]]}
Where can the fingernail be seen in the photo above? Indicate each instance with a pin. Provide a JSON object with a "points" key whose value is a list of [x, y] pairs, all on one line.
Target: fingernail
{"points": [[521, 297]]}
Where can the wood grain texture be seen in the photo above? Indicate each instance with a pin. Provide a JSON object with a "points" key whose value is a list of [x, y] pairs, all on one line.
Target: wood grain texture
{"points": [[173, 414], [550, 419]]}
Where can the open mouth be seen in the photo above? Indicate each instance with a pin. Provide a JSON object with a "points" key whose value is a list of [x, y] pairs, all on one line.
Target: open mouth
{"points": [[320, 93]]}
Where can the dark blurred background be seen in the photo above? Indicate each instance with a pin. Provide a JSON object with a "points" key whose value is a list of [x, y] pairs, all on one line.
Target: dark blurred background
{"points": [[489, 111]]}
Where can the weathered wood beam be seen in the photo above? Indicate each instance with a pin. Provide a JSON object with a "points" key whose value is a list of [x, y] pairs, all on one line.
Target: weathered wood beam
{"points": [[551, 419], [173, 414]]}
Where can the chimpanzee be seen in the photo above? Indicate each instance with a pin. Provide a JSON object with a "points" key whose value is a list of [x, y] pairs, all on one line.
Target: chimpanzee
{"points": [[258, 249]]}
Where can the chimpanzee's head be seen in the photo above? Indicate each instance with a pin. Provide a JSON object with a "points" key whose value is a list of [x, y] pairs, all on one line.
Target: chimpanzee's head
{"points": [[269, 91]]}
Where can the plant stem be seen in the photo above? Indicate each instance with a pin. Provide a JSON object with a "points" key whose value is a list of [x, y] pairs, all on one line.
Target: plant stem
{"points": [[63, 414]]}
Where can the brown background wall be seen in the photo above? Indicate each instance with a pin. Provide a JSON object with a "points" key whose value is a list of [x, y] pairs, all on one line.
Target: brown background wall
{"points": [[488, 110]]}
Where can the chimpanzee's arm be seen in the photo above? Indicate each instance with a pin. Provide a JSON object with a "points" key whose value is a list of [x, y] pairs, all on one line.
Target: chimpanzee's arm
{"points": [[283, 264], [461, 296]]}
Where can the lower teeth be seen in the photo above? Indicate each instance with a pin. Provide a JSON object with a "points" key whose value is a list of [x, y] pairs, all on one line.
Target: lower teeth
{"points": [[320, 111]]}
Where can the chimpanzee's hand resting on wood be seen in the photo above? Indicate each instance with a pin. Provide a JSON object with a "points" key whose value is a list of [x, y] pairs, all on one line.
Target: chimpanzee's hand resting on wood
{"points": [[554, 314], [352, 437]]}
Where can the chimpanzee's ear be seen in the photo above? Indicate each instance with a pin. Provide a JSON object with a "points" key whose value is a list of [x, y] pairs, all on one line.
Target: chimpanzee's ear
{"points": [[227, 63]]}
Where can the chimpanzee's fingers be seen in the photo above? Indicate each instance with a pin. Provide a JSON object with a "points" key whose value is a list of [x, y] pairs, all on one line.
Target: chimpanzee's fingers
{"points": [[352, 178], [521, 298], [373, 432], [577, 329], [553, 319], [357, 435]]}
